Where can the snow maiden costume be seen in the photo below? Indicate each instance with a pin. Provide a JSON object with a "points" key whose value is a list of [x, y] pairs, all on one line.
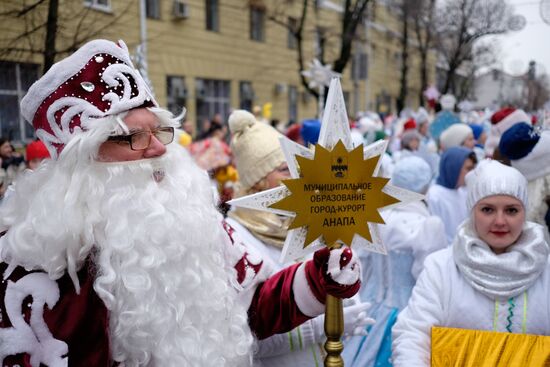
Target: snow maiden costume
{"points": [[109, 263], [410, 234], [468, 286], [445, 199]]}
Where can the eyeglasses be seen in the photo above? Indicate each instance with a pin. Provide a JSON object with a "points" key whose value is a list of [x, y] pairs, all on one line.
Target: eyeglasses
{"points": [[142, 139]]}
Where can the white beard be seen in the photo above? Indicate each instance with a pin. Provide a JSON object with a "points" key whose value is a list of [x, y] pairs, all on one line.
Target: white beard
{"points": [[160, 258]]}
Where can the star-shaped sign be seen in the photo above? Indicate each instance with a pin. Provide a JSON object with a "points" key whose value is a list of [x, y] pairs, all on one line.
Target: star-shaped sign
{"points": [[333, 178], [319, 75]]}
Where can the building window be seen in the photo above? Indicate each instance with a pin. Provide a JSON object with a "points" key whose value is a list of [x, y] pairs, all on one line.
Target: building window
{"points": [[257, 23], [292, 103], [15, 80], [152, 9], [212, 15], [383, 103], [359, 66], [212, 97], [246, 96], [398, 59], [104, 5], [292, 42], [176, 94]]}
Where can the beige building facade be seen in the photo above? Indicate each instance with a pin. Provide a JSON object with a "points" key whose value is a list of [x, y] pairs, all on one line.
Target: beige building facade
{"points": [[212, 56]]}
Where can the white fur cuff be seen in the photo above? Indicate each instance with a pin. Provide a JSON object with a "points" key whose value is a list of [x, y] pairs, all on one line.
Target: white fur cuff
{"points": [[349, 273], [304, 297]]}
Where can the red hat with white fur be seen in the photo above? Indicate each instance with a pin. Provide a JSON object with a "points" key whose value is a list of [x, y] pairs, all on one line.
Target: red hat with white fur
{"points": [[97, 81], [501, 121]]}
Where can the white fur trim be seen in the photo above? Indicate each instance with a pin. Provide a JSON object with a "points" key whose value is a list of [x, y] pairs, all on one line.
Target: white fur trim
{"points": [[113, 75], [499, 128], [536, 163], [34, 339], [515, 117], [347, 275], [63, 70], [304, 297]]}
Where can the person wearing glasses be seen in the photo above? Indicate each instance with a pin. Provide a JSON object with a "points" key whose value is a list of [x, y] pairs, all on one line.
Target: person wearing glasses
{"points": [[112, 253], [141, 142]]}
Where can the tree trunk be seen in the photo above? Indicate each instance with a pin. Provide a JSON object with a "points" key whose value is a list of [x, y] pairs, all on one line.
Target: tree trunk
{"points": [[402, 99], [449, 86], [423, 76], [51, 35]]}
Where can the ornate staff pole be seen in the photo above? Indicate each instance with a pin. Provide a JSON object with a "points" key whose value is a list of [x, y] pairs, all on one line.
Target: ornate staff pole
{"points": [[334, 328]]}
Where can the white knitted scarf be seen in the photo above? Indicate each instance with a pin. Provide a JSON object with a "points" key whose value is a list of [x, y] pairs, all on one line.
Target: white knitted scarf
{"points": [[505, 275]]}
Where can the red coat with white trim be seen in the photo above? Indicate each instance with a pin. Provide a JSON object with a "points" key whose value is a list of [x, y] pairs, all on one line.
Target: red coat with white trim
{"points": [[45, 322]]}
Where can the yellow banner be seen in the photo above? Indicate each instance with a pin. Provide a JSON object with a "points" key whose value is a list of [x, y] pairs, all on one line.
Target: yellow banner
{"points": [[475, 348]]}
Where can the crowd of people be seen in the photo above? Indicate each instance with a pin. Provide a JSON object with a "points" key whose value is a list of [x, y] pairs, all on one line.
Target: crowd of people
{"points": [[117, 246]]}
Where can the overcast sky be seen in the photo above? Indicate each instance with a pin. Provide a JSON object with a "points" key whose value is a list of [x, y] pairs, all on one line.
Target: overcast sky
{"points": [[531, 43]]}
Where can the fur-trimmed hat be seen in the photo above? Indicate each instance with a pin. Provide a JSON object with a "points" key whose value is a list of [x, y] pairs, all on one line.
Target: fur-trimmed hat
{"points": [[518, 141], [454, 136], [256, 147], [527, 150], [501, 121], [491, 178], [504, 119], [98, 80]]}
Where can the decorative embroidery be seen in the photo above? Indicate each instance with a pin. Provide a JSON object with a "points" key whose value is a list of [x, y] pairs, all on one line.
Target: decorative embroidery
{"points": [[247, 263], [65, 109], [510, 314], [34, 339]]}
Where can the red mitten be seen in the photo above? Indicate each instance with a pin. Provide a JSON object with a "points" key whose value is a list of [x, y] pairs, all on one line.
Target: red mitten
{"points": [[335, 272]]}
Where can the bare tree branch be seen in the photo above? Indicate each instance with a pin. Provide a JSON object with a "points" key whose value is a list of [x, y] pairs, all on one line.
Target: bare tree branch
{"points": [[460, 25], [45, 29], [354, 11], [423, 25], [352, 18], [21, 12]]}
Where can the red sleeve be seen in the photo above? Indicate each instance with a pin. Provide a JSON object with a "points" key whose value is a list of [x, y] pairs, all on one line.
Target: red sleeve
{"points": [[276, 308], [273, 309]]}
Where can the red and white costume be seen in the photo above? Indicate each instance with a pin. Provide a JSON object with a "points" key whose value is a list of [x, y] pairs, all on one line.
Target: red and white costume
{"points": [[102, 265], [46, 322]]}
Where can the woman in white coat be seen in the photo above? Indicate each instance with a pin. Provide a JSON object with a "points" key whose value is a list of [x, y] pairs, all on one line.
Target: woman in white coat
{"points": [[410, 234], [495, 276]]}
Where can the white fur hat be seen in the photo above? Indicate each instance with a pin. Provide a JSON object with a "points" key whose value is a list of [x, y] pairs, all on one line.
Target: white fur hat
{"points": [[454, 136], [255, 146], [494, 178]]}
